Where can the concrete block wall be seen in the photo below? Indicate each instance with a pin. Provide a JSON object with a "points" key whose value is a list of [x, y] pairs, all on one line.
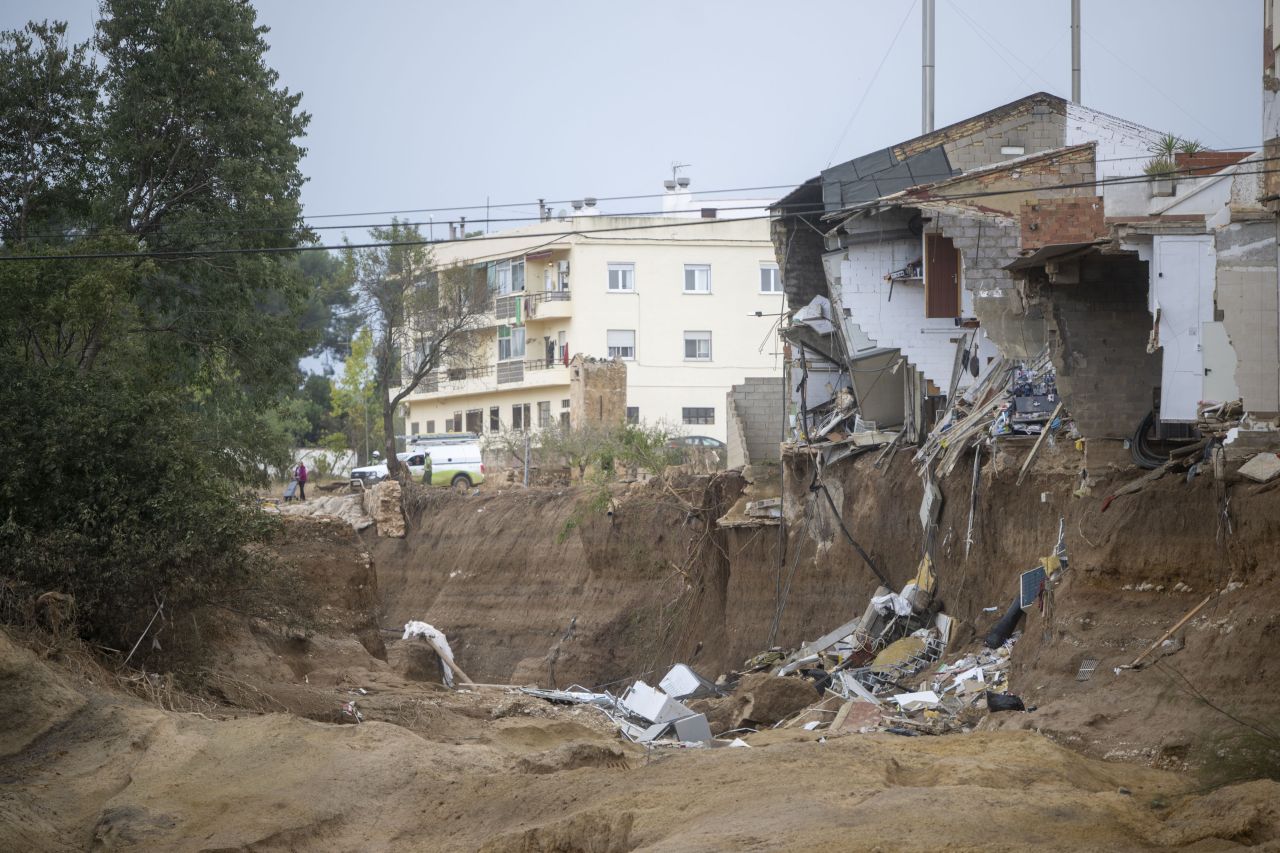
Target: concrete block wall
{"points": [[756, 407], [1042, 129], [1047, 221], [1098, 332]]}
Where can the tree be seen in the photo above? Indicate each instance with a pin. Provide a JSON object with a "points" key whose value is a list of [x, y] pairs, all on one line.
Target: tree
{"points": [[420, 318], [142, 394], [355, 394]]}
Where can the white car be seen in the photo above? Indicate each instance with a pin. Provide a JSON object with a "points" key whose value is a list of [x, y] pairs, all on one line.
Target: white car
{"points": [[370, 474]]}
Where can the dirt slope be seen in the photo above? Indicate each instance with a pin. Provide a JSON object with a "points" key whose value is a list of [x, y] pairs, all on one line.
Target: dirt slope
{"points": [[116, 774], [525, 579]]}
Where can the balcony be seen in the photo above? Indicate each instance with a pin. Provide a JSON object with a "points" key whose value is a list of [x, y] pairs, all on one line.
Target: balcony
{"points": [[484, 379], [532, 306]]}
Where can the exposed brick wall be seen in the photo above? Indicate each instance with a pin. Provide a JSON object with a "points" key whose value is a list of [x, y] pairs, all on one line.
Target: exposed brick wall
{"points": [[1098, 341], [1047, 221], [756, 406]]}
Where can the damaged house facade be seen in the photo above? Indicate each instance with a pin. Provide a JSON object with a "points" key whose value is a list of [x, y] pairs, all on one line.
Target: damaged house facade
{"points": [[1031, 231]]}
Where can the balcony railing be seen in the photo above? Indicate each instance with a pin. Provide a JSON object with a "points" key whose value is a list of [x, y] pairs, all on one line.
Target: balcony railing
{"points": [[505, 306], [502, 372]]}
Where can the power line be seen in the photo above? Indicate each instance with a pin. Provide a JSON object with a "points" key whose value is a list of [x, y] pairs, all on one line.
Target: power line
{"points": [[810, 209], [249, 229]]}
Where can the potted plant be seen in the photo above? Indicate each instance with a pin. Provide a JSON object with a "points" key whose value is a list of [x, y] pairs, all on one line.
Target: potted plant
{"points": [[1162, 168]]}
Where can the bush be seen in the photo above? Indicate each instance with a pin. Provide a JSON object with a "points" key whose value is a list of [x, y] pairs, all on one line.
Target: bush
{"points": [[111, 496]]}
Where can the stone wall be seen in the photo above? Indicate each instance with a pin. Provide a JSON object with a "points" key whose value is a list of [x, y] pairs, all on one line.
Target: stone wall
{"points": [[597, 391], [1098, 331], [755, 416]]}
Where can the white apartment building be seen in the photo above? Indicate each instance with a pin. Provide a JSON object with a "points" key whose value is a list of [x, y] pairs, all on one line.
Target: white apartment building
{"points": [[688, 299]]}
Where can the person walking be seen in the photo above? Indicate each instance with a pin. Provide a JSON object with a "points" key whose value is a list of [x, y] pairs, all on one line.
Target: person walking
{"points": [[301, 476]]}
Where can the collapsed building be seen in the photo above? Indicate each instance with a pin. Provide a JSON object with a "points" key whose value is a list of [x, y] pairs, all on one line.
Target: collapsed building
{"points": [[915, 271]]}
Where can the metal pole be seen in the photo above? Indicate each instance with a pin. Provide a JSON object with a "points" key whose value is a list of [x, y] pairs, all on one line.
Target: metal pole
{"points": [[926, 68], [1075, 51]]}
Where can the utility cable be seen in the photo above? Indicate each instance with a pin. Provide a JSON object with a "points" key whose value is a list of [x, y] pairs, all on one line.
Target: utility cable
{"points": [[904, 200]]}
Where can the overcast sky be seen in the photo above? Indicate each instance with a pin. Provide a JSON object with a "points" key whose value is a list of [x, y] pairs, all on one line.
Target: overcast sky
{"points": [[434, 104]]}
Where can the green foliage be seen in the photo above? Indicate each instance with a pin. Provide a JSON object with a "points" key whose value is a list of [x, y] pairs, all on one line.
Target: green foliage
{"points": [[1189, 146], [108, 498], [355, 397], [1160, 167], [144, 396], [1165, 146]]}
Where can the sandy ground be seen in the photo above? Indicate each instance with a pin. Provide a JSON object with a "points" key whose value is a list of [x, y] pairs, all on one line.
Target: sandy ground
{"points": [[261, 756], [89, 768]]}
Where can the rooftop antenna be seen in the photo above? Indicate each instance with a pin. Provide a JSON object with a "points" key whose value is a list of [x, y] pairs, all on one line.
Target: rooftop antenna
{"points": [[1075, 51], [926, 66], [677, 179]]}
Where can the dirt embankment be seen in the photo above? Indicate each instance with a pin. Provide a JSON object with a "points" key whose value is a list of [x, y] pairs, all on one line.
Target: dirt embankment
{"points": [[526, 580], [88, 768]]}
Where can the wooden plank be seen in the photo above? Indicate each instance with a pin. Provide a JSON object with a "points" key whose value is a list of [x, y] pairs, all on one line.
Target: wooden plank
{"points": [[1035, 449], [1167, 634]]}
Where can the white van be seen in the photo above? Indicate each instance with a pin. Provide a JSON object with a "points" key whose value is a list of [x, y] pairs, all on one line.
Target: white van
{"points": [[455, 461]]}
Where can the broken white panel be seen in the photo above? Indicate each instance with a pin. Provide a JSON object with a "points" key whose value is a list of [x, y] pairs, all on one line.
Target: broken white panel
{"points": [[681, 682], [430, 632], [917, 701], [693, 729], [1183, 278], [652, 704], [642, 734], [891, 603], [816, 315]]}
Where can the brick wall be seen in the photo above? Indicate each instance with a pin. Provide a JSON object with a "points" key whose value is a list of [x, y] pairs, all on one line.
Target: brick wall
{"points": [[755, 415], [1098, 333], [1047, 221]]}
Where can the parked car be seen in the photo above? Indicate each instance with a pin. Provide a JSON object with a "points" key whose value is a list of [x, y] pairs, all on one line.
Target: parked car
{"points": [[690, 448], [370, 474], [682, 441]]}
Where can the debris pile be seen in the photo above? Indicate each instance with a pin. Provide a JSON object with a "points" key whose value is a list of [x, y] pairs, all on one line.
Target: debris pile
{"points": [[1008, 400], [646, 714]]}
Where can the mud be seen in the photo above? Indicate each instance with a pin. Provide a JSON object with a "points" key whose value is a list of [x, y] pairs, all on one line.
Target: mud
{"points": [[254, 750]]}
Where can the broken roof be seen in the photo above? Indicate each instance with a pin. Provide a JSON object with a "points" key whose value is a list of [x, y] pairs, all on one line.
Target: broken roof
{"points": [[1056, 252], [920, 160]]}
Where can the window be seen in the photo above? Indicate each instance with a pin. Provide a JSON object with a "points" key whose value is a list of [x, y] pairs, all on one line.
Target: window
{"points": [[510, 342], [508, 276], [520, 416], [455, 422], [698, 415], [622, 278], [697, 278], [633, 414], [769, 281], [495, 419], [544, 414], [697, 346], [475, 418], [413, 428], [564, 420], [564, 404], [621, 343], [431, 427]]}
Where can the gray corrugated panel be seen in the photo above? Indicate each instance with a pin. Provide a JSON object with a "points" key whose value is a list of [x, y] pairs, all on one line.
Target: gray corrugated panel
{"points": [[929, 166], [876, 161]]}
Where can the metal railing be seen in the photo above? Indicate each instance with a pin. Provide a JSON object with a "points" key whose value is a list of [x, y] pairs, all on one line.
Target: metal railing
{"points": [[504, 306]]}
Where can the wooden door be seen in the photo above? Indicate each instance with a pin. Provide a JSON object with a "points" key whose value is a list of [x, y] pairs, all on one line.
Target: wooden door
{"points": [[941, 277]]}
